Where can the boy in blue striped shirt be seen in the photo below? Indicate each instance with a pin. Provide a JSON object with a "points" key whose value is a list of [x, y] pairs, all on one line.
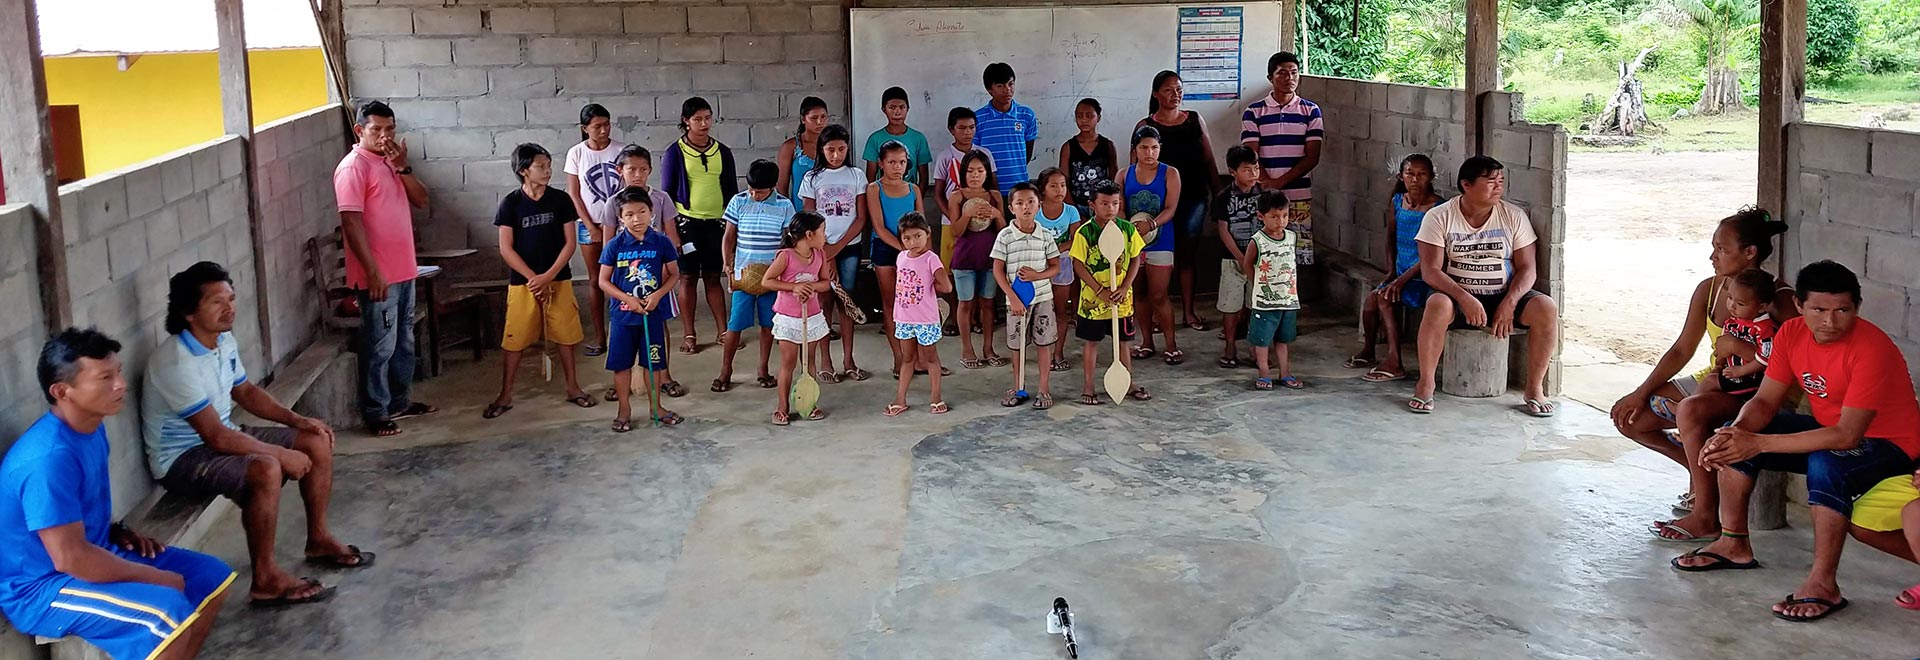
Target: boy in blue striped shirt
{"points": [[1006, 129], [755, 220]]}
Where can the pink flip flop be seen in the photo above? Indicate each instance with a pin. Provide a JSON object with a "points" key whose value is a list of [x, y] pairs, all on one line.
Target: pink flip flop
{"points": [[1909, 599]]}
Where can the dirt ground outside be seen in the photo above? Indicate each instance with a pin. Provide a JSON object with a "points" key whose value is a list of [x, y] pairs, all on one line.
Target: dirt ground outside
{"points": [[1639, 226]]}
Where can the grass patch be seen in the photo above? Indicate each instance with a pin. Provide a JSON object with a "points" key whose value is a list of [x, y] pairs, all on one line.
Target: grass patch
{"points": [[1573, 102]]}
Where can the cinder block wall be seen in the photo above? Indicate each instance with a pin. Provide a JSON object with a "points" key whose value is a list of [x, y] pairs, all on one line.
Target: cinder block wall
{"points": [[293, 185], [1853, 197], [469, 82], [22, 328], [129, 230]]}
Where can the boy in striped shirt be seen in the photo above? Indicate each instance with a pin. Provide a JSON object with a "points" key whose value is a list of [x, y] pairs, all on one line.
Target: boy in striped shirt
{"points": [[1004, 128], [1287, 133]]}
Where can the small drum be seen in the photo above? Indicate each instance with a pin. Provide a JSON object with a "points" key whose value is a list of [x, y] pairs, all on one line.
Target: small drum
{"points": [[750, 278], [1144, 217]]}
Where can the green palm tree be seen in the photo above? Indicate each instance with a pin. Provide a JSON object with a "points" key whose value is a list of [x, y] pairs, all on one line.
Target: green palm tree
{"points": [[1719, 27]]}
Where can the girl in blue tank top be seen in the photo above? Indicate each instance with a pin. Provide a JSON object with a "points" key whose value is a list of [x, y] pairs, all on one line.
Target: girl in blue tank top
{"points": [[1413, 196]]}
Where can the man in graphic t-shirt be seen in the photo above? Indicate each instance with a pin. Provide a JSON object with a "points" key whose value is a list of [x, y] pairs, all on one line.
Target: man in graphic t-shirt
{"points": [[1865, 428], [1477, 252]]}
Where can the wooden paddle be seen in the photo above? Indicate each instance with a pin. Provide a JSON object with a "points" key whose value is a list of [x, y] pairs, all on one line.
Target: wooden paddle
{"points": [[806, 390], [546, 356], [1113, 243], [1017, 328]]}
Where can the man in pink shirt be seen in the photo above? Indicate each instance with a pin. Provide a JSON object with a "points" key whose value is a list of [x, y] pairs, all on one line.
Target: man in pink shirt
{"points": [[377, 193]]}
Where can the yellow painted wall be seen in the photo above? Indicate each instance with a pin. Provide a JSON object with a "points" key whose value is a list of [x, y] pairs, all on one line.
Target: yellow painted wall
{"points": [[166, 101]]}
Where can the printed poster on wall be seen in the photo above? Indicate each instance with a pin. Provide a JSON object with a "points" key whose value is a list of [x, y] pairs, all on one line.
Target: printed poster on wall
{"points": [[1210, 53]]}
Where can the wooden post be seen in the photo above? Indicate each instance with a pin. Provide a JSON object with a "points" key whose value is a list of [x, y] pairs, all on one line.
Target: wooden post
{"points": [[1783, 88], [236, 113], [26, 139], [1483, 66], [1290, 25]]}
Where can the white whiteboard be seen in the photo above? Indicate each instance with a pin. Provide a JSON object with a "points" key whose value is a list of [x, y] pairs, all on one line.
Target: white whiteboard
{"points": [[1059, 56]]}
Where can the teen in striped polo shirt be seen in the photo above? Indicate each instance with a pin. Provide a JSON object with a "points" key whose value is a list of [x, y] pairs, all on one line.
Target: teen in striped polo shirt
{"points": [[1286, 131]]}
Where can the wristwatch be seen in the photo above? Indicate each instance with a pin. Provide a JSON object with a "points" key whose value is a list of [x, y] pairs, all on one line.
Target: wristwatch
{"points": [[406, 171]]}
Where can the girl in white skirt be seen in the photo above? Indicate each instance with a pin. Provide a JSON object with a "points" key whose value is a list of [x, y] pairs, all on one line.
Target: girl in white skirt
{"points": [[801, 274]]}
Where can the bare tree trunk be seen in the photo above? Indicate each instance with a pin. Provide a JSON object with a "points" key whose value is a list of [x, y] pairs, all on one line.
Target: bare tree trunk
{"points": [[1626, 109], [1721, 93]]}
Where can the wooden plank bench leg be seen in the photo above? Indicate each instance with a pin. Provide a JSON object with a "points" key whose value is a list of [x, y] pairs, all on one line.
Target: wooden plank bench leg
{"points": [[1767, 508]]}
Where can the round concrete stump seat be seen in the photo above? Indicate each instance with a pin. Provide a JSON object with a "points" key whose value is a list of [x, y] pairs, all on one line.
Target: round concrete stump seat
{"points": [[1474, 364]]}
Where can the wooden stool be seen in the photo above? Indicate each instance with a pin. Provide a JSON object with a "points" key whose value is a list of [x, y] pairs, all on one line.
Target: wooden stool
{"points": [[1474, 364]]}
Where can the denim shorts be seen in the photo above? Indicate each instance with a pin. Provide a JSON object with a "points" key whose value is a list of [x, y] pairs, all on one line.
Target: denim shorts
{"points": [[1835, 478], [970, 284], [848, 264], [1189, 221], [1269, 326]]}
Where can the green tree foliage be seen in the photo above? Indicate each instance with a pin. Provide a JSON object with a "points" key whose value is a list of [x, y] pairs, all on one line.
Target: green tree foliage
{"points": [[1833, 29], [1337, 44], [1720, 28], [1890, 36]]}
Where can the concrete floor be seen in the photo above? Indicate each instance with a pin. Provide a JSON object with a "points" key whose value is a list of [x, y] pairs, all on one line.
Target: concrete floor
{"points": [[1213, 522]]}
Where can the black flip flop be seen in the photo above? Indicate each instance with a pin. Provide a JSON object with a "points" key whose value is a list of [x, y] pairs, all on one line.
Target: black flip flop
{"points": [[415, 409], [583, 401], [322, 595], [766, 381], [493, 410], [382, 428], [1720, 563], [339, 560], [1831, 606]]}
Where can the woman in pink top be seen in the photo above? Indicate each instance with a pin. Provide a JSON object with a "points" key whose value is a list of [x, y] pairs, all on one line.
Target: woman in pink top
{"points": [[800, 273], [919, 280]]}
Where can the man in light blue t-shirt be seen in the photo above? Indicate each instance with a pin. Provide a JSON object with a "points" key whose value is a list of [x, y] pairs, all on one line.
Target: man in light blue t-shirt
{"points": [[893, 102], [194, 379]]}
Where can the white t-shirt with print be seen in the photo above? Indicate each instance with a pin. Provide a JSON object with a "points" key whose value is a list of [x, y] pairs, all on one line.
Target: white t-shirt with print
{"points": [[836, 196], [600, 180], [1479, 259]]}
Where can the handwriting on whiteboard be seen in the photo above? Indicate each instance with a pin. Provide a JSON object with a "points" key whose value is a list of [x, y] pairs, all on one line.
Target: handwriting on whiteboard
{"points": [[920, 28]]}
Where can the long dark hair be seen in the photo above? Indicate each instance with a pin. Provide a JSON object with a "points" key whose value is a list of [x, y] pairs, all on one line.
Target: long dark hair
{"points": [[1153, 95], [1400, 186], [830, 133], [807, 105], [587, 113], [803, 223], [1755, 228], [690, 107], [985, 163], [184, 292]]}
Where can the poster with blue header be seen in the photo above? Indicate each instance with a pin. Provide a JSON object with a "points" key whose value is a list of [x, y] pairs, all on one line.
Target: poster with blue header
{"points": [[1209, 53]]}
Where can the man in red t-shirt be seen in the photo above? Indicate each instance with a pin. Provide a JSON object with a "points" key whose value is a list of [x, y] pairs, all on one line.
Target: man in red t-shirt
{"points": [[1865, 428]]}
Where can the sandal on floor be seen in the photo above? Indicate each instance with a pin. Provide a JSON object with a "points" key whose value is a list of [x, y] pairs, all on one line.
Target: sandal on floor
{"points": [[1061, 365], [817, 415], [1357, 362], [354, 557], [595, 350], [1012, 399], [283, 600], [1538, 408], [782, 419], [1229, 362], [1089, 399], [1141, 352], [1420, 406], [720, 385], [582, 400], [669, 418], [1720, 563], [1140, 393], [1042, 401], [855, 374], [493, 410], [938, 408], [1174, 357], [996, 361], [673, 388], [1659, 529], [1292, 383], [766, 382], [1683, 505], [612, 395], [622, 425], [1793, 599], [382, 428], [690, 344], [894, 410], [827, 376], [415, 409], [1197, 325], [1378, 375], [1263, 384], [972, 363], [1909, 599]]}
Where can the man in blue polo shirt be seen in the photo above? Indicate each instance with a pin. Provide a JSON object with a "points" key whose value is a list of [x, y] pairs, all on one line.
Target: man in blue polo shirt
{"points": [[1006, 129], [65, 567]]}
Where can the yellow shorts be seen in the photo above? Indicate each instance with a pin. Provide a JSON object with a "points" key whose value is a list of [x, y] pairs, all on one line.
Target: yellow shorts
{"points": [[1879, 509], [949, 234], [525, 326]]}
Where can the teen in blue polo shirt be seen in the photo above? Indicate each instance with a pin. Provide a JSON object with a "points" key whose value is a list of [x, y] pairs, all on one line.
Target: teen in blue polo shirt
{"points": [[1007, 129], [65, 567]]}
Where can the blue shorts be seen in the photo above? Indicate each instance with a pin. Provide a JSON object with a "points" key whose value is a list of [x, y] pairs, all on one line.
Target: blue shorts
{"points": [[747, 308], [884, 256], [1269, 326], [585, 235], [926, 334], [128, 619], [625, 343], [1189, 221], [970, 284], [849, 265], [1835, 478]]}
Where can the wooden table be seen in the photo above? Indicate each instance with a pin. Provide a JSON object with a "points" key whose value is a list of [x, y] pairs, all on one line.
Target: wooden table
{"points": [[431, 273]]}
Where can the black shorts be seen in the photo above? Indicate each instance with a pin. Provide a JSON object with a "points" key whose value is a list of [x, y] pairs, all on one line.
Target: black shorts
{"points": [[705, 236], [1489, 303], [1092, 330], [203, 470]]}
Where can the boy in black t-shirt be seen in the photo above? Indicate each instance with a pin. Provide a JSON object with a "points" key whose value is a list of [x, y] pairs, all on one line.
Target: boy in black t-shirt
{"points": [[1235, 214], [536, 231]]}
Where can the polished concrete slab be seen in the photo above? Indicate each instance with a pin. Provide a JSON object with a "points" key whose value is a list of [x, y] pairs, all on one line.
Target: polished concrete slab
{"points": [[1213, 522]]}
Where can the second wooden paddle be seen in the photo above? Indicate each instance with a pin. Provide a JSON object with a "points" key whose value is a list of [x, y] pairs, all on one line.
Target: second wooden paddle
{"points": [[1113, 245]]}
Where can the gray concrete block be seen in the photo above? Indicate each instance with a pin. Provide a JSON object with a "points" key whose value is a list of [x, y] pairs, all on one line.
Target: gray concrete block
{"points": [[1437, 103], [1386, 126], [101, 204], [446, 20], [233, 158], [690, 49], [176, 175], [521, 20], [828, 17], [370, 21], [554, 139], [782, 19], [196, 218], [832, 76], [1511, 148], [1896, 155], [1893, 260], [386, 83], [560, 50], [776, 76], [146, 189], [1884, 305], [450, 83], [631, 109], [630, 50], [816, 48], [769, 134], [364, 53], [732, 132], [1335, 93], [1912, 330], [653, 19], [589, 20], [716, 19], [1404, 99], [427, 114], [748, 105], [486, 51], [1806, 201], [84, 281], [441, 175], [1875, 204], [659, 135], [1834, 148], [492, 174], [461, 143], [1841, 243], [1549, 150], [751, 49], [419, 52], [558, 111], [520, 83]]}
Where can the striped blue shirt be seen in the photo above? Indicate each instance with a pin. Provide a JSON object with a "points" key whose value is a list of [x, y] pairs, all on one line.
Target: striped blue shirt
{"points": [[185, 377], [1005, 135], [1279, 133], [757, 227]]}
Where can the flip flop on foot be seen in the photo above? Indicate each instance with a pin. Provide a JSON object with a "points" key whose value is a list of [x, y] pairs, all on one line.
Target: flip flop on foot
{"points": [[1263, 384], [622, 425], [673, 388], [1174, 357], [997, 361], [1420, 406], [354, 557], [1292, 383], [314, 592], [1792, 600], [596, 350], [493, 410], [611, 396], [1228, 362], [1197, 324], [582, 400], [720, 385], [1090, 399], [817, 415], [1012, 399], [690, 344], [1042, 401], [782, 419], [1357, 362], [1378, 375], [1909, 599], [938, 408], [669, 418], [972, 363], [415, 409], [855, 374], [827, 376], [1538, 408], [766, 382], [1719, 563], [1666, 530], [1140, 393], [1061, 365], [894, 409], [1142, 352]]}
